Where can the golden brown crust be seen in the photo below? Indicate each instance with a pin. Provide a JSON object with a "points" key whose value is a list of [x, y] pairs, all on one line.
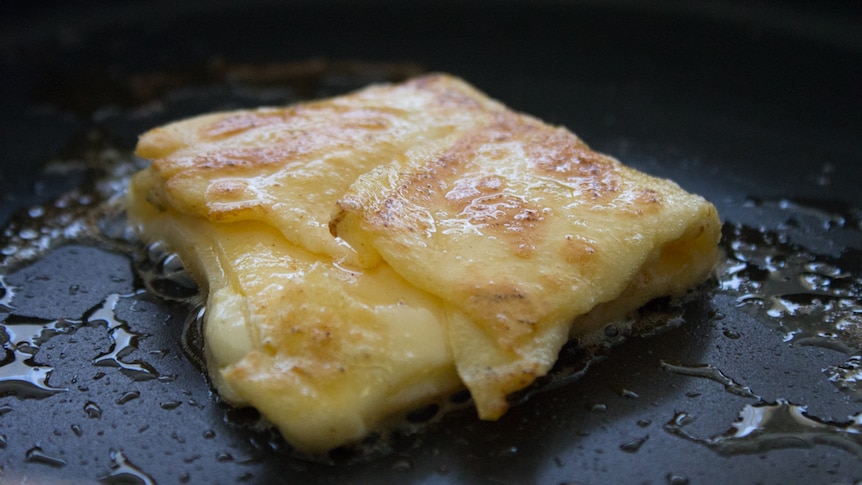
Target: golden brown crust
{"points": [[329, 227], [520, 226]]}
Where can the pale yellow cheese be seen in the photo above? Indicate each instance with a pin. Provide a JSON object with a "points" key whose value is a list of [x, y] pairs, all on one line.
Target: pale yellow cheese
{"points": [[325, 353], [373, 252]]}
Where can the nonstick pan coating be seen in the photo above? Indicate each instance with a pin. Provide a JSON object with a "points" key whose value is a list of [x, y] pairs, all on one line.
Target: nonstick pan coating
{"points": [[758, 107]]}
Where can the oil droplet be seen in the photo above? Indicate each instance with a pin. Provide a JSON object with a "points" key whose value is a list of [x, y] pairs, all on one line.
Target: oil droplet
{"points": [[76, 429], [124, 472], [192, 458], [763, 427], [26, 237], [643, 423], [164, 274], [628, 394], [36, 455], [7, 294], [19, 374], [507, 451], [3, 441], [712, 373], [673, 479], [168, 405], [172, 268], [223, 456], [36, 211], [27, 381], [596, 407], [634, 445], [93, 410], [193, 338], [28, 234], [848, 376], [402, 466], [128, 396], [813, 296], [124, 341]]}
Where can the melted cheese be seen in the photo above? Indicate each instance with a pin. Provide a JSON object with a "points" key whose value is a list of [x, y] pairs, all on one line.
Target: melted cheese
{"points": [[326, 353], [373, 252]]}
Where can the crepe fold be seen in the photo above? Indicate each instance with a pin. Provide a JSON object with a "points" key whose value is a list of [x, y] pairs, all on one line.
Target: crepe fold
{"points": [[374, 252]]}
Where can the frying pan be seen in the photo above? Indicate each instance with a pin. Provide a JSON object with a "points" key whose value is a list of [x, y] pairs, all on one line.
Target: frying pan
{"points": [[756, 106]]}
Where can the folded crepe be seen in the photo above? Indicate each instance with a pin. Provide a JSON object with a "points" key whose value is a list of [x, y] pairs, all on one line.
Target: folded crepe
{"points": [[372, 253]]}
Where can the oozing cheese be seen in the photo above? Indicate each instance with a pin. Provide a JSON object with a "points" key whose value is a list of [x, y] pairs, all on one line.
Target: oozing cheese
{"points": [[373, 252]]}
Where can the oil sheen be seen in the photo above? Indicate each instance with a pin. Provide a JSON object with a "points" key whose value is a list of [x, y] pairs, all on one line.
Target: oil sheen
{"points": [[807, 289]]}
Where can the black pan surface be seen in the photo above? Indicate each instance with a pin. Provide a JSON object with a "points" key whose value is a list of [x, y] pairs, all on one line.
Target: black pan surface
{"points": [[755, 105]]}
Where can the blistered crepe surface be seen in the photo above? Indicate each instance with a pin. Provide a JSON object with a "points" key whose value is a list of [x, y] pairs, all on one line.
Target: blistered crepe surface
{"points": [[289, 166], [520, 226], [489, 230]]}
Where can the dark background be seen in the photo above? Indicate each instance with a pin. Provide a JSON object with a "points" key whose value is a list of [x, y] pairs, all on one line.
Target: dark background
{"points": [[747, 103]]}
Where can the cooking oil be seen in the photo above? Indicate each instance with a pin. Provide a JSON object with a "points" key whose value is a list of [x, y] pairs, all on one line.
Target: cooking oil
{"points": [[712, 373], [814, 298], [811, 292], [770, 426], [36, 455], [124, 472], [634, 445], [806, 288]]}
